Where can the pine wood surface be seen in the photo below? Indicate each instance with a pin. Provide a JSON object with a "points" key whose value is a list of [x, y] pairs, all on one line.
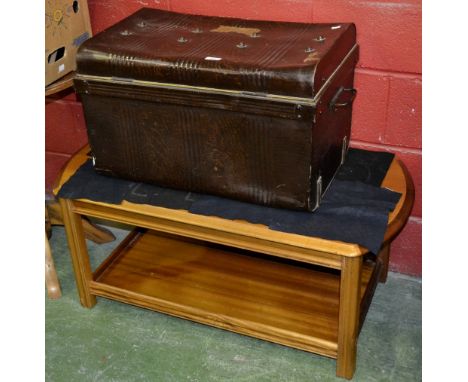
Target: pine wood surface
{"points": [[216, 234], [397, 179], [349, 313], [302, 306], [93, 232], [51, 279], [281, 301], [79, 253], [61, 84]]}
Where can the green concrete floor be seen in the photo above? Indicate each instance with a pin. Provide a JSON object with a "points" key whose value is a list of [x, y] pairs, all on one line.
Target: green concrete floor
{"points": [[118, 342]]}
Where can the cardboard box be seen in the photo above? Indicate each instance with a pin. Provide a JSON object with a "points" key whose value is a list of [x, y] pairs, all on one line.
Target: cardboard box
{"points": [[67, 25]]}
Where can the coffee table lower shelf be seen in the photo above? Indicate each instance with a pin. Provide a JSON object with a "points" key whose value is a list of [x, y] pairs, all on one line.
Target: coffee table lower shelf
{"points": [[285, 302]]}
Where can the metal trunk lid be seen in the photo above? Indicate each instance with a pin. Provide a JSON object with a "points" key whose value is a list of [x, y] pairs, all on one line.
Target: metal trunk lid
{"points": [[248, 56]]}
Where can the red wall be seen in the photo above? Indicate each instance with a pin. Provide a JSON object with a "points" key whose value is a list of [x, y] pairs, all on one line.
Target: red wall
{"points": [[387, 111]]}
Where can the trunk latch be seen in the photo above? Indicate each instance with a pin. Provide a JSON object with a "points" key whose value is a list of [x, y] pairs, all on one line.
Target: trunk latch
{"points": [[318, 191]]}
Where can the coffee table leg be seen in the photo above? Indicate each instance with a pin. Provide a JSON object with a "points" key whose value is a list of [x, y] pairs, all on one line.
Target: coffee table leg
{"points": [[79, 253], [384, 255], [348, 324]]}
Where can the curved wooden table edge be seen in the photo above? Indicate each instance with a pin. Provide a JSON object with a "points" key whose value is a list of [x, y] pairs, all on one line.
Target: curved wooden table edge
{"points": [[397, 218], [60, 84], [401, 215]]}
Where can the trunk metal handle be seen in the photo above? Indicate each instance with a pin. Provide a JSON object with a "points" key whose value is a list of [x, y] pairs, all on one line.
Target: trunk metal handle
{"points": [[333, 105]]}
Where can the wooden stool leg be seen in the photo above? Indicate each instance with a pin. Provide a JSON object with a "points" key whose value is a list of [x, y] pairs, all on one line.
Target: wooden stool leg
{"points": [[99, 235], [348, 324], [79, 253], [51, 279]]}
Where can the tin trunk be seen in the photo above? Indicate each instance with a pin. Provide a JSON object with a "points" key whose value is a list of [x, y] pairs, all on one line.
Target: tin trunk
{"points": [[252, 110]]}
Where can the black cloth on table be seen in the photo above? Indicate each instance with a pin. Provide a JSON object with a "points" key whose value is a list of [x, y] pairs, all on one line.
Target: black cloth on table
{"points": [[354, 209]]}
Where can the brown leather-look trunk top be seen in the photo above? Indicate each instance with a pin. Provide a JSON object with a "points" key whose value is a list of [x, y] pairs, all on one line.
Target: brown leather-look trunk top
{"points": [[286, 59]]}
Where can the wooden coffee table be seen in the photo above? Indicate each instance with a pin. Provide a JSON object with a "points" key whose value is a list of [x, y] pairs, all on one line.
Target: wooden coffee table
{"points": [[303, 292]]}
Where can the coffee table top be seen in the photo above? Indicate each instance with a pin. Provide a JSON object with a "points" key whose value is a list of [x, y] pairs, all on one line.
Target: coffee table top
{"points": [[397, 179]]}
